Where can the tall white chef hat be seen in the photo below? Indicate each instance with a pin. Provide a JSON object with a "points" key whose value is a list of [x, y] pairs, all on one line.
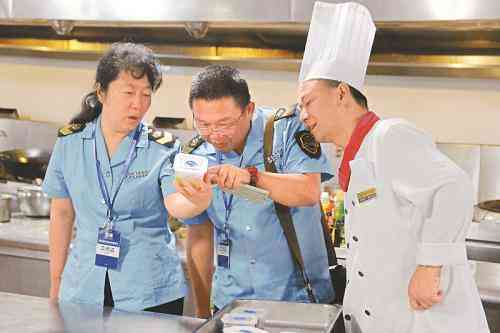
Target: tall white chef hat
{"points": [[338, 44]]}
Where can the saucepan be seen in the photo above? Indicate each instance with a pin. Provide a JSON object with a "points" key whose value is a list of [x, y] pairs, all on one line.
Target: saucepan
{"points": [[33, 202]]}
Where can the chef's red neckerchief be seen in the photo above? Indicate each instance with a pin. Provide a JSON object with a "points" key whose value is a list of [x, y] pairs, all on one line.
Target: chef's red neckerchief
{"points": [[364, 126]]}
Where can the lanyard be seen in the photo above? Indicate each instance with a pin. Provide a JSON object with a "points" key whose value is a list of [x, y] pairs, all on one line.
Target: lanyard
{"points": [[228, 202], [102, 184]]}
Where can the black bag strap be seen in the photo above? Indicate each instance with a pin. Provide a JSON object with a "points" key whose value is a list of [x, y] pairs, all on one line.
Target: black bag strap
{"points": [[337, 271], [330, 249], [283, 212]]}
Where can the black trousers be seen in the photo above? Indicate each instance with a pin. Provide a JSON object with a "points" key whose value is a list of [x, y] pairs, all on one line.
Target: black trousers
{"points": [[175, 307]]}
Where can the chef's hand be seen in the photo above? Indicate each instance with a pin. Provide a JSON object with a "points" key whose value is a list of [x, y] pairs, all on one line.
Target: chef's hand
{"points": [[199, 192], [423, 289], [228, 176]]}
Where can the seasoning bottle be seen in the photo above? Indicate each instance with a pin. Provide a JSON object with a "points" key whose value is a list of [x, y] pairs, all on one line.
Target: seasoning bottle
{"points": [[339, 239], [327, 207]]}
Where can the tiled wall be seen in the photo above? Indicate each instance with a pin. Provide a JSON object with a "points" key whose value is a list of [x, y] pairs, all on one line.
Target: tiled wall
{"points": [[451, 110], [465, 111]]}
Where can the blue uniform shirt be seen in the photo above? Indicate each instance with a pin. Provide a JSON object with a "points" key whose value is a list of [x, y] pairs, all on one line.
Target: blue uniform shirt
{"points": [[261, 265], [149, 271]]}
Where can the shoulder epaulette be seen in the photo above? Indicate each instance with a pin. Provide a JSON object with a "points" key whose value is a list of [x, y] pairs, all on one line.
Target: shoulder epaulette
{"points": [[283, 112], [70, 129], [192, 144], [161, 136]]}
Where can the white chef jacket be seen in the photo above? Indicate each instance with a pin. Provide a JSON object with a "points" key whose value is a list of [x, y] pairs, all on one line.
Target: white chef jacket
{"points": [[419, 215]]}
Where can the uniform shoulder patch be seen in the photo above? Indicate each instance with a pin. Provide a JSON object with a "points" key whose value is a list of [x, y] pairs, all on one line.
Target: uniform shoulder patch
{"points": [[70, 129], [192, 144], [308, 144], [161, 136], [283, 112]]}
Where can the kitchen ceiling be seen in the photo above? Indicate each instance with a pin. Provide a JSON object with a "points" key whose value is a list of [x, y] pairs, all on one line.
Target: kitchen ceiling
{"points": [[459, 38]]}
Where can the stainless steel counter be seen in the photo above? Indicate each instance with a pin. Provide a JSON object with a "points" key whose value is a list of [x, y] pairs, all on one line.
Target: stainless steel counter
{"points": [[24, 258], [25, 233], [20, 313], [483, 241]]}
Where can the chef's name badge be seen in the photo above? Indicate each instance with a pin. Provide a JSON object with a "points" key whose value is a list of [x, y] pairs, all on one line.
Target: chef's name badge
{"points": [[367, 195]]}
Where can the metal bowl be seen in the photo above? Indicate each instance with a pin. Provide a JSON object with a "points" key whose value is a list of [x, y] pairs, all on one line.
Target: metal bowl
{"points": [[33, 202]]}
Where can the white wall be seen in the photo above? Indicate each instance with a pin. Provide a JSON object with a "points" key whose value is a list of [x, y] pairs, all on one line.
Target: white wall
{"points": [[452, 110]]}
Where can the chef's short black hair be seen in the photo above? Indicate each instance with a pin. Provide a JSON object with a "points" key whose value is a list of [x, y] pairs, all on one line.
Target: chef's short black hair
{"points": [[219, 81], [356, 94]]}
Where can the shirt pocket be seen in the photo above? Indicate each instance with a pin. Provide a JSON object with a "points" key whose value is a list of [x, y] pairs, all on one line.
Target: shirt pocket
{"points": [[362, 204], [362, 186], [140, 193]]}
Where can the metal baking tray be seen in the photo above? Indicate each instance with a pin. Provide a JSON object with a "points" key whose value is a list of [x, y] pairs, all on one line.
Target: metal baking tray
{"points": [[280, 316]]}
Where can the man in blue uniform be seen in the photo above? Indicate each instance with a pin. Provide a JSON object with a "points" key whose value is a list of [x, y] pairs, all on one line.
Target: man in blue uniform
{"points": [[253, 257]]}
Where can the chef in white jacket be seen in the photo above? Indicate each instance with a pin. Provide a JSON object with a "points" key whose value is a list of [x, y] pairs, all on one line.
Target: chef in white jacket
{"points": [[408, 207]]}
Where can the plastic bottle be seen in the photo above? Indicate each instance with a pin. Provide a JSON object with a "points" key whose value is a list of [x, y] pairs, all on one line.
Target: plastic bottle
{"points": [[325, 199], [339, 239], [327, 207]]}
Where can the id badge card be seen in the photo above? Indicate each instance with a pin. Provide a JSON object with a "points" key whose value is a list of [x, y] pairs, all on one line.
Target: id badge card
{"points": [[107, 250], [223, 253]]}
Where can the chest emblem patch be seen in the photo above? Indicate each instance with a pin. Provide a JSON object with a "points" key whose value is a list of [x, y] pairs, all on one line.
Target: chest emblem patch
{"points": [[137, 174], [308, 144]]}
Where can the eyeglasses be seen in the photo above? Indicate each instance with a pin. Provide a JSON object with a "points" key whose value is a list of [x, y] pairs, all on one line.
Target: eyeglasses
{"points": [[217, 128]]}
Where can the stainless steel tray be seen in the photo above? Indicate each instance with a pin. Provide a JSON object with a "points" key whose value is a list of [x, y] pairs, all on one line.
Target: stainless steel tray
{"points": [[282, 316]]}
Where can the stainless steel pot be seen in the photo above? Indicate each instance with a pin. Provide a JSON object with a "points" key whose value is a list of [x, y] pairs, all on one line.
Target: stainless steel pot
{"points": [[5, 202], [487, 211], [33, 202]]}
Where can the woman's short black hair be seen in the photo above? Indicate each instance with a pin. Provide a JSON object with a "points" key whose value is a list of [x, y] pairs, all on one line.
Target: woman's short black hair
{"points": [[218, 81], [135, 59]]}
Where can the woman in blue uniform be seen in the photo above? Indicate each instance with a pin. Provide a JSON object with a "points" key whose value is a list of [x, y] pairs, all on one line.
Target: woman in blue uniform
{"points": [[108, 176]]}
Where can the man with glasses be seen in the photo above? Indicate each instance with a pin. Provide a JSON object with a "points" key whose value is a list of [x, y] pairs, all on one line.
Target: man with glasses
{"points": [[253, 258]]}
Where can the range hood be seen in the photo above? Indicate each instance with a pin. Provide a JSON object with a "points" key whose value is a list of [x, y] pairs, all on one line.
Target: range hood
{"points": [[428, 37]]}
